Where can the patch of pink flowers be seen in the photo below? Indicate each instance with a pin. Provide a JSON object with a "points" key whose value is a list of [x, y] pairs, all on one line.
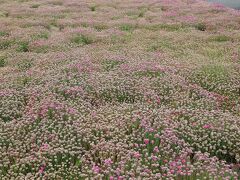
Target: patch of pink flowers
{"points": [[117, 90]]}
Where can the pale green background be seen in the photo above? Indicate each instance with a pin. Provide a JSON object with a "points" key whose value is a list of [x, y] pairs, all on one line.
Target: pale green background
{"points": [[230, 3]]}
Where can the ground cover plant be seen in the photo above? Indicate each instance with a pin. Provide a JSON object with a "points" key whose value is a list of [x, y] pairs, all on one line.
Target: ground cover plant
{"points": [[122, 89]]}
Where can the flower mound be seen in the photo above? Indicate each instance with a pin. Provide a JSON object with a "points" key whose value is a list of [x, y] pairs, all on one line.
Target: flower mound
{"points": [[119, 90]]}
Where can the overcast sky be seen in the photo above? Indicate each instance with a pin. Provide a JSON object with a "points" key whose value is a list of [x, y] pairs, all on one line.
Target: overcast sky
{"points": [[231, 3]]}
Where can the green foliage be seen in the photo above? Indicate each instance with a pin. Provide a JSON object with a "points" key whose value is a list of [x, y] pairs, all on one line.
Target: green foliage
{"points": [[201, 27], [110, 64], [211, 76], [23, 47], [215, 53], [127, 27], [35, 5], [3, 33], [84, 24], [93, 8], [141, 14], [161, 45], [116, 95], [4, 13], [82, 39], [4, 44], [41, 49], [56, 3], [42, 35], [150, 74], [166, 27], [24, 65], [100, 27], [23, 81], [221, 38], [2, 61], [164, 8]]}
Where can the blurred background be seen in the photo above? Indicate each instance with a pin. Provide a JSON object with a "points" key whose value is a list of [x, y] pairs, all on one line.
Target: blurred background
{"points": [[231, 3]]}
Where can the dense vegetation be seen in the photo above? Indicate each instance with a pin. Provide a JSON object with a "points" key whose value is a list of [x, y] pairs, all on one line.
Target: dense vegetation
{"points": [[122, 89]]}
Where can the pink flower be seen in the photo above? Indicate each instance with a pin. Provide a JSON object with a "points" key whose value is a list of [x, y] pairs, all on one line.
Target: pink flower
{"points": [[146, 141], [154, 158], [179, 167], [173, 164], [45, 145], [156, 150], [108, 162], [41, 169], [207, 126], [147, 170], [72, 111], [111, 178], [137, 155], [136, 145], [96, 169], [194, 124], [120, 177], [156, 136], [183, 161]]}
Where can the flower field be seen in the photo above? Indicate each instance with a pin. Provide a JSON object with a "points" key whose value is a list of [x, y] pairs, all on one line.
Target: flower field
{"points": [[119, 89]]}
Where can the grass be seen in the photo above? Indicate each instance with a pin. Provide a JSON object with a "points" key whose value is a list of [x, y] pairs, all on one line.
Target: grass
{"points": [[215, 70], [2, 61], [84, 24], [141, 14], [103, 89], [110, 64], [127, 27], [93, 8], [23, 81], [25, 64], [214, 53], [150, 74], [23, 46], [100, 27], [56, 3], [4, 44], [35, 6], [210, 77], [3, 33], [166, 27], [82, 40], [220, 38], [42, 35], [4, 14], [41, 49], [120, 96], [201, 27], [163, 44]]}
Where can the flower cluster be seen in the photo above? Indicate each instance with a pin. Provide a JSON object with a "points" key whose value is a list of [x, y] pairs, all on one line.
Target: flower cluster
{"points": [[100, 89]]}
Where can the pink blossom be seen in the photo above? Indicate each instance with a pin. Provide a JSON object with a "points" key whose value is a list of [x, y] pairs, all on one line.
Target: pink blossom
{"points": [[44, 147], [108, 162], [41, 169], [146, 141], [154, 158], [137, 155], [96, 169], [207, 126], [156, 150], [183, 161]]}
